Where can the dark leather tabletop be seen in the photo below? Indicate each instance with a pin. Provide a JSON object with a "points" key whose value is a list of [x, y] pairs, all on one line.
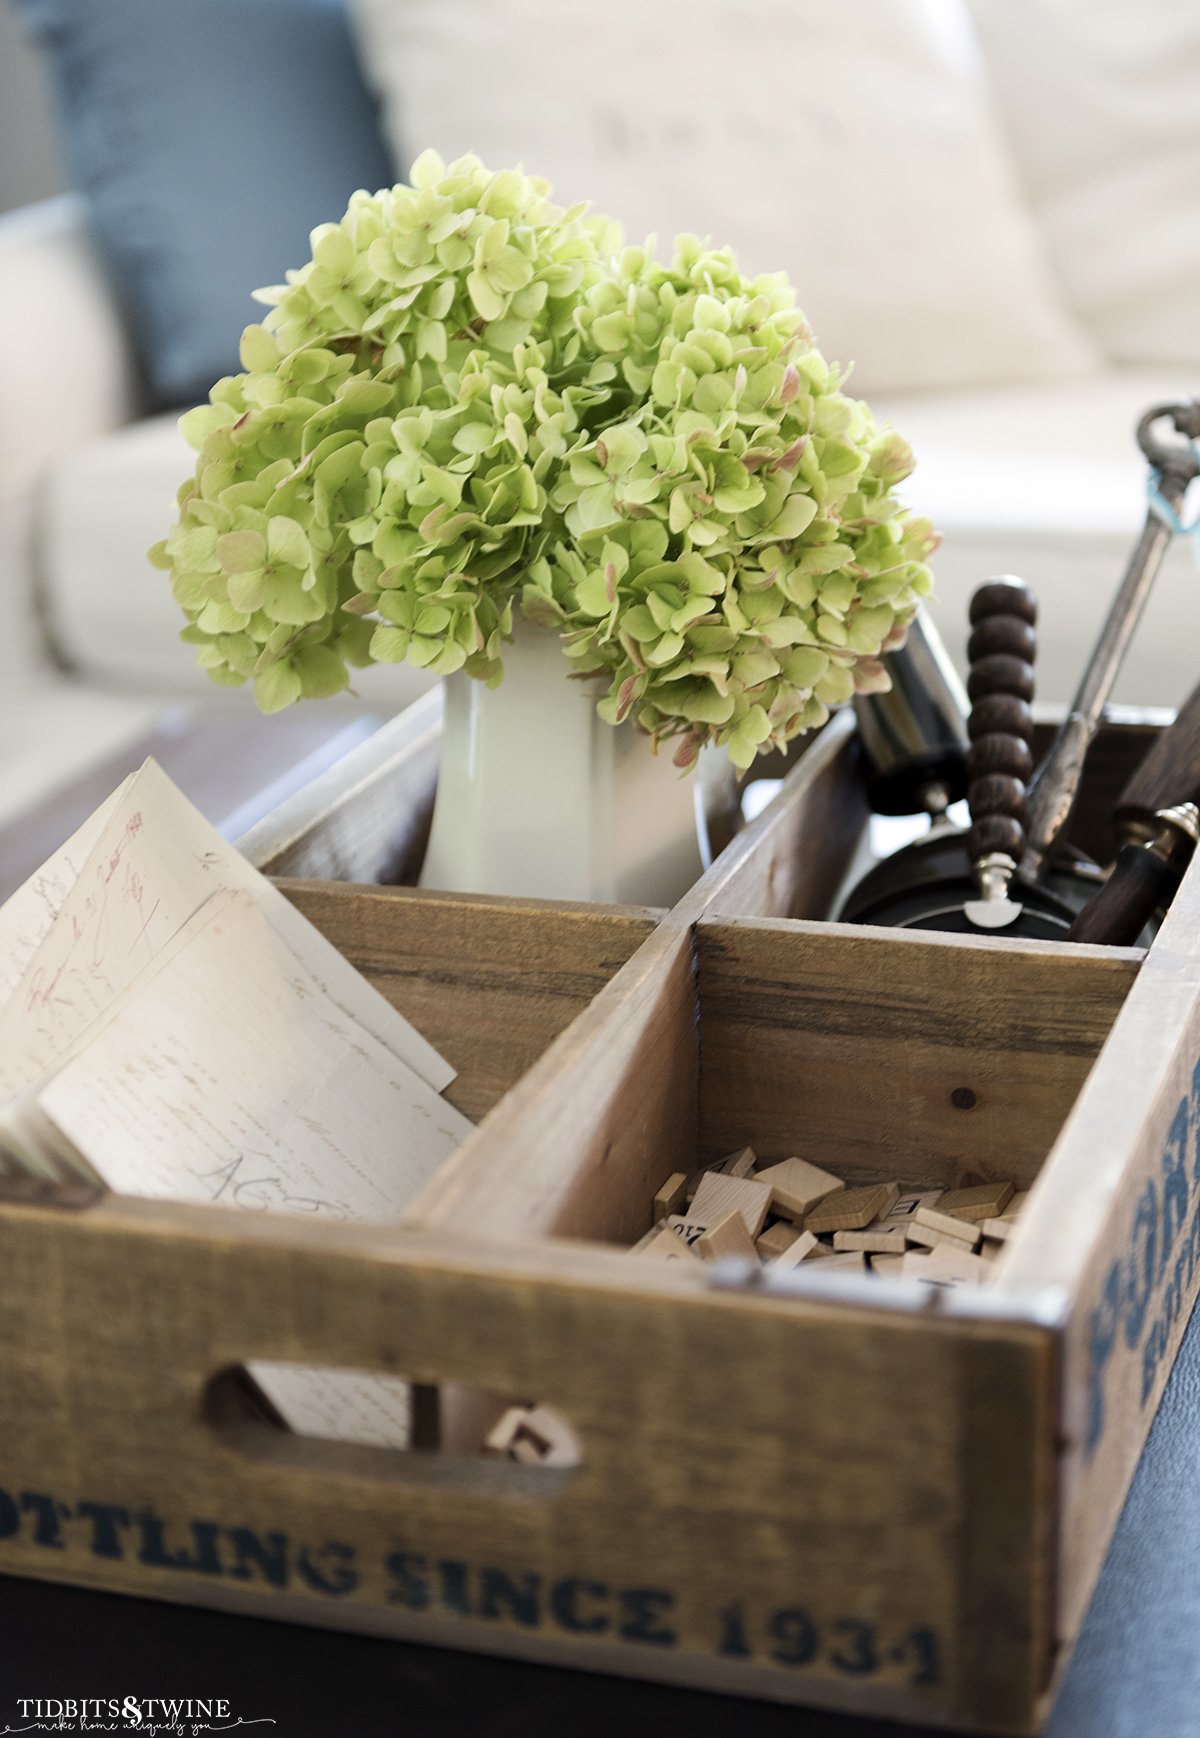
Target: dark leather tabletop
{"points": [[1135, 1673]]}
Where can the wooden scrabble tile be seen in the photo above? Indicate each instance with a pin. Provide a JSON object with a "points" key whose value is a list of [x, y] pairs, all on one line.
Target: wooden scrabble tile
{"points": [[671, 1196], [933, 1219], [962, 1264], [920, 1268], [796, 1186], [944, 1266], [739, 1164], [666, 1244], [852, 1261], [873, 1240], [908, 1201], [727, 1236], [550, 1435], [533, 1435], [542, 1426], [645, 1240], [1002, 1225], [852, 1209], [984, 1201], [930, 1239], [684, 1226], [698, 1177], [805, 1248], [999, 1230], [886, 1266], [503, 1433], [718, 1195], [776, 1239], [527, 1452]]}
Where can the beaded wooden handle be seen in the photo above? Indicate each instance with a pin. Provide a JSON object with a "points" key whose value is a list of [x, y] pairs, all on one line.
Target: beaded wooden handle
{"points": [[1000, 687]]}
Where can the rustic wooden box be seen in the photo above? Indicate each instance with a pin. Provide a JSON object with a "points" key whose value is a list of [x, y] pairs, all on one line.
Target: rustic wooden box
{"points": [[827, 1489]]}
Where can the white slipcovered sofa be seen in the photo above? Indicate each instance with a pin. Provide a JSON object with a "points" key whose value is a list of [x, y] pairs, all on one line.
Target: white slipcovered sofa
{"points": [[1028, 466]]}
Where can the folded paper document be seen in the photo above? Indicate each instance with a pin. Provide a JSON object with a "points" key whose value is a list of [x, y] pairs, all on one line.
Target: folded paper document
{"points": [[171, 1026]]}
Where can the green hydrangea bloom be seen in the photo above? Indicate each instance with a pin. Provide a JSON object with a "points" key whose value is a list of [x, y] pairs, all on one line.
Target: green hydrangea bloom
{"points": [[734, 559], [387, 451], [468, 400]]}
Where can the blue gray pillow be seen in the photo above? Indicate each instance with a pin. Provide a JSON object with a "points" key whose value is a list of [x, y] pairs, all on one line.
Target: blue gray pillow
{"points": [[209, 137]]}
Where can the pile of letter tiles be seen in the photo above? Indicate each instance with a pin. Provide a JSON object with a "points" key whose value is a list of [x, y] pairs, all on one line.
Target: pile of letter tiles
{"points": [[792, 1212], [786, 1213]]}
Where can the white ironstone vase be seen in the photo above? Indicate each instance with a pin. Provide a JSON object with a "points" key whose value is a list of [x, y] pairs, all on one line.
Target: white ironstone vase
{"points": [[538, 797]]}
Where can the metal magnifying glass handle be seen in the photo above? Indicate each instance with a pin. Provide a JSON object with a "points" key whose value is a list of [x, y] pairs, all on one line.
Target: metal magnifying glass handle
{"points": [[1052, 794]]}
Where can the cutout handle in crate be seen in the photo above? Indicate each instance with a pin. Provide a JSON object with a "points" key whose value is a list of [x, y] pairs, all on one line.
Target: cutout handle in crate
{"points": [[692, 1541]]}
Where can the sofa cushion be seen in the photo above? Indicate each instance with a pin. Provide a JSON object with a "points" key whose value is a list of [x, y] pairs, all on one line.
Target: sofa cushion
{"points": [[1100, 100], [209, 136], [851, 145], [109, 614], [65, 376], [1048, 483]]}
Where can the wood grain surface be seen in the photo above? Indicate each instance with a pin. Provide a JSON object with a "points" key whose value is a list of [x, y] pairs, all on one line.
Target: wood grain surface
{"points": [[1113, 1224], [895, 1053], [582, 1143], [705, 1537], [367, 820], [1169, 773], [489, 981]]}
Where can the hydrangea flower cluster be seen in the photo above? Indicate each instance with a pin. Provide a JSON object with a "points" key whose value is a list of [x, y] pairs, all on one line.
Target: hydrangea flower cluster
{"points": [[470, 403], [734, 558]]}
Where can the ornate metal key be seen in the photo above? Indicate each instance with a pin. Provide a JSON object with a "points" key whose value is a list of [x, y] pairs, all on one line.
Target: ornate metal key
{"points": [[1005, 872], [1173, 458]]}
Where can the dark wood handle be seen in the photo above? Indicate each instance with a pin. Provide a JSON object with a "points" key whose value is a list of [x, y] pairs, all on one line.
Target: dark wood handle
{"points": [[1141, 882], [1169, 774], [1000, 751], [1004, 597], [1000, 684], [1000, 713], [1009, 634]]}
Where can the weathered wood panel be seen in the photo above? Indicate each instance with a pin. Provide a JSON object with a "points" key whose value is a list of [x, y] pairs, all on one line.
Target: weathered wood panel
{"points": [[581, 1143], [366, 819], [897, 1053], [800, 1499], [490, 981], [1114, 1224]]}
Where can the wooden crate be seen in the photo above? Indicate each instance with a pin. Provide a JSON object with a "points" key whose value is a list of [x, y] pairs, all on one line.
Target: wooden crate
{"points": [[826, 1489]]}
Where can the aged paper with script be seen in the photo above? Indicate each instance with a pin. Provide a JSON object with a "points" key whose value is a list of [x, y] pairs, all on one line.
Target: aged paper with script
{"points": [[283, 1104], [155, 862], [27, 915], [26, 1137]]}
